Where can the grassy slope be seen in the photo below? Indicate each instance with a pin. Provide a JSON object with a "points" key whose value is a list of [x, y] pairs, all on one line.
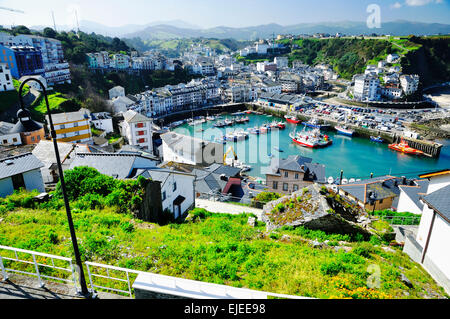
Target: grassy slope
{"points": [[220, 249], [7, 99]]}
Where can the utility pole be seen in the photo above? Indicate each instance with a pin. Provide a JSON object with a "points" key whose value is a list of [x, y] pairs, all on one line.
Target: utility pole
{"points": [[54, 23]]}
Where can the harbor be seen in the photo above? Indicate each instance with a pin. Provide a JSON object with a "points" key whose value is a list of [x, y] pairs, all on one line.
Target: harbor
{"points": [[358, 156]]}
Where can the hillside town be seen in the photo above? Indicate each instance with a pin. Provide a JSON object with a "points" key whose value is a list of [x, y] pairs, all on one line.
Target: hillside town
{"points": [[291, 152]]}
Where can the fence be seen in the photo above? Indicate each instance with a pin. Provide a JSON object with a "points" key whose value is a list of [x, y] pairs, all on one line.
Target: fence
{"points": [[70, 270], [401, 220], [124, 277]]}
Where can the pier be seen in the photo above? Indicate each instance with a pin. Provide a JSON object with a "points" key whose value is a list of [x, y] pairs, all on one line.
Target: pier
{"points": [[431, 149]]}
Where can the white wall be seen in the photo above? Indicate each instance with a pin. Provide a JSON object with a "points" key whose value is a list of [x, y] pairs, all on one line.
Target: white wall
{"points": [[438, 182], [185, 188], [438, 245], [406, 205], [10, 139]]}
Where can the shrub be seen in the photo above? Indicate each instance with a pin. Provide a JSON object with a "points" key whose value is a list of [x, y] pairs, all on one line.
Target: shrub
{"points": [[127, 227], [331, 268], [363, 250]]}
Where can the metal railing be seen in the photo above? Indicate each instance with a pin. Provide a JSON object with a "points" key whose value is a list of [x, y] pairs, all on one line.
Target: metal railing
{"points": [[37, 273], [90, 269], [401, 220], [162, 283]]}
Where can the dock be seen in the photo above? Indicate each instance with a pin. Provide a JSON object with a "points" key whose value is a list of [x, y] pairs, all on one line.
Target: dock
{"points": [[431, 149]]}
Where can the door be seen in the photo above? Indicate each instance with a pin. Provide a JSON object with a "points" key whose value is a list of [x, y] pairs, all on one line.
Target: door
{"points": [[18, 181]]}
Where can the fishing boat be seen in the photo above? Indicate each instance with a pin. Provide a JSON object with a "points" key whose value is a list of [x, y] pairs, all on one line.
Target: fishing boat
{"points": [[281, 125], [274, 126], [263, 129], [219, 124], [197, 122], [376, 139], [345, 130], [254, 130], [314, 123], [242, 120], [311, 139], [403, 147], [292, 119], [228, 122]]}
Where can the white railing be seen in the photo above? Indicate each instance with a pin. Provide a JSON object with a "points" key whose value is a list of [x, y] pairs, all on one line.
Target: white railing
{"points": [[70, 269], [155, 282], [92, 275]]}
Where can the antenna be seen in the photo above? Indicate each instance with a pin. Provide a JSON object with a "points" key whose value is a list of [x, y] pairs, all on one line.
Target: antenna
{"points": [[76, 17], [54, 23]]}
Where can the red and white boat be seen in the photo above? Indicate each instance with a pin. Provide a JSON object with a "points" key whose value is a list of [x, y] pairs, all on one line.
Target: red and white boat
{"points": [[292, 119], [311, 139]]}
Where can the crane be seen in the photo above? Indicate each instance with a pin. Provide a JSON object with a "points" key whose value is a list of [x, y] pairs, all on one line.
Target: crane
{"points": [[9, 9]]}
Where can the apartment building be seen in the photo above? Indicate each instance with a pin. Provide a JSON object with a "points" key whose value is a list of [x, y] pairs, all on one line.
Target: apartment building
{"points": [[120, 61], [137, 129], [56, 68], [367, 88], [73, 127], [22, 60], [6, 82], [409, 83], [281, 62]]}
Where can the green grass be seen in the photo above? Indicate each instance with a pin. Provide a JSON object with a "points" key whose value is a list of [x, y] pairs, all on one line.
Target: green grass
{"points": [[9, 98], [54, 101], [218, 248]]}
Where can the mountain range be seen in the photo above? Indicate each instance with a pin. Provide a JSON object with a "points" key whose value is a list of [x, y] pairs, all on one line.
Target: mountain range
{"points": [[179, 29]]}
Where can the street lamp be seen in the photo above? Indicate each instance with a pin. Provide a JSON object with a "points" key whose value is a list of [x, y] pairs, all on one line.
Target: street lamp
{"points": [[84, 291]]}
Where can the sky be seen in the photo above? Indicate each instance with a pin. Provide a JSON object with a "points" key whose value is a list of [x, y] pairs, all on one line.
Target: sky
{"points": [[211, 13]]}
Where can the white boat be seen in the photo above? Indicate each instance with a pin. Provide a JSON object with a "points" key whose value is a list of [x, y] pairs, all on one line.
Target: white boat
{"points": [[345, 130], [311, 139]]}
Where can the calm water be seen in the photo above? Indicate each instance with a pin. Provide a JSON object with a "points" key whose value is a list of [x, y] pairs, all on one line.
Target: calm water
{"points": [[358, 157]]}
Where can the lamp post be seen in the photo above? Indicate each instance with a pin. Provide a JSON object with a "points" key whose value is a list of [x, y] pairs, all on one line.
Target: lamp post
{"points": [[84, 291]]}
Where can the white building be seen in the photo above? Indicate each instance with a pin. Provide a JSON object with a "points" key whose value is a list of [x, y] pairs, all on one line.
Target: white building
{"points": [[430, 246], [137, 129], [102, 121], [392, 58], [8, 138], [22, 171], [116, 91], [177, 189], [6, 80], [281, 62], [409, 199], [189, 150], [409, 83], [366, 88]]}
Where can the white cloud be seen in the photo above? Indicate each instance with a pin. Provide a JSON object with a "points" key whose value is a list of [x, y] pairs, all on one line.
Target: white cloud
{"points": [[416, 3], [396, 5]]}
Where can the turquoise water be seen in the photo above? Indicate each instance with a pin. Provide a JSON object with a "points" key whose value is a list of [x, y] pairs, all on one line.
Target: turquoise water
{"points": [[358, 157]]}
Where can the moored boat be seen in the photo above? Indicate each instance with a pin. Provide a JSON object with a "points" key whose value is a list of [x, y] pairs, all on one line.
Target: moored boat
{"points": [[292, 119], [311, 139], [403, 147], [345, 130], [376, 139]]}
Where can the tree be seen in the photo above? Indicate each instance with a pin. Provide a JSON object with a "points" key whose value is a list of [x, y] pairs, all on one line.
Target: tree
{"points": [[20, 29], [49, 33]]}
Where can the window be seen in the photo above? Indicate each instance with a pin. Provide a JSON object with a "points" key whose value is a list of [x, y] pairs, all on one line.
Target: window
{"points": [[7, 77], [5, 141], [296, 176], [286, 174], [275, 185], [381, 201], [75, 124], [62, 126], [15, 140], [174, 186], [295, 187], [32, 138], [285, 187]]}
